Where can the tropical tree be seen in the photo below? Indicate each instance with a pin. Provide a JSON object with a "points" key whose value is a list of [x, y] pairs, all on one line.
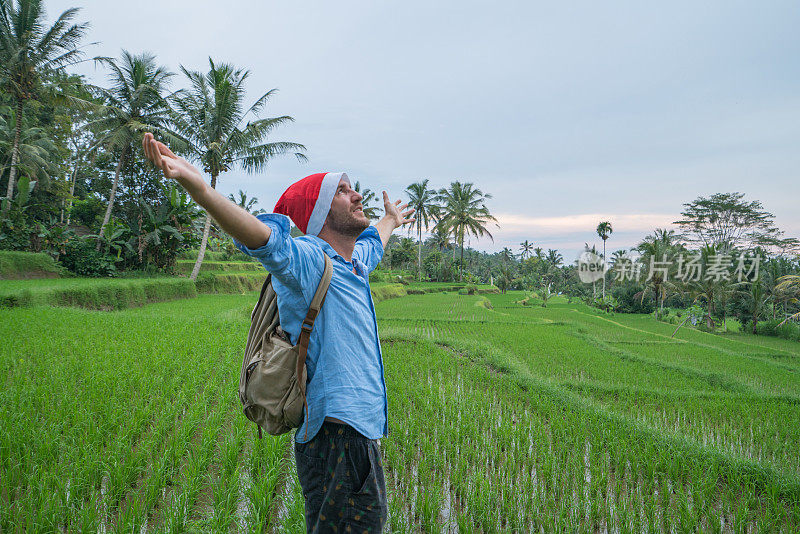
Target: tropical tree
{"points": [[133, 104], [526, 248], [789, 285], [705, 288], [160, 231], [423, 201], [655, 250], [440, 237], [464, 212], [402, 254], [554, 258], [210, 116], [757, 301], [36, 151], [366, 202], [593, 250], [507, 254], [726, 221], [604, 231], [30, 52], [246, 203]]}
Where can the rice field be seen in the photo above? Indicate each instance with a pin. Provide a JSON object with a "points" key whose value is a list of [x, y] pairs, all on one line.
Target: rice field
{"points": [[509, 419]]}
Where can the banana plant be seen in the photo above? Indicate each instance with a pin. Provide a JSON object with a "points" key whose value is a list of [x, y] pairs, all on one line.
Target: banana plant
{"points": [[115, 237], [19, 201]]}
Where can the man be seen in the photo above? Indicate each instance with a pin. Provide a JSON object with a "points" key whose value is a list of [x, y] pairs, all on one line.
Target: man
{"points": [[336, 448]]}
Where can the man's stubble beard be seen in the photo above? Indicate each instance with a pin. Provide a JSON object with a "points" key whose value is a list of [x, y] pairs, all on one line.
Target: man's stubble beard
{"points": [[347, 225]]}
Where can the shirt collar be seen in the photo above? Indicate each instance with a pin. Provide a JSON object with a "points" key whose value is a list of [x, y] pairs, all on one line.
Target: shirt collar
{"points": [[326, 247], [330, 251]]}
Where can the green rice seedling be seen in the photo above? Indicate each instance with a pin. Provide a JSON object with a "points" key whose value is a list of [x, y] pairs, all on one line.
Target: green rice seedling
{"points": [[514, 419]]}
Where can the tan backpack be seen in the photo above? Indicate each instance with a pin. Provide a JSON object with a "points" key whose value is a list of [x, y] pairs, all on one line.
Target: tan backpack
{"points": [[272, 384]]}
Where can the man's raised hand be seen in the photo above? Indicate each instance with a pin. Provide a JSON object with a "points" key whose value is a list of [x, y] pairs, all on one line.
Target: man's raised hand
{"points": [[171, 165], [395, 212]]}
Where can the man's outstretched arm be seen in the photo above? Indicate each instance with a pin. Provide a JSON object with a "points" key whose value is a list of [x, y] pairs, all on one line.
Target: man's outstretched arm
{"points": [[394, 218], [237, 222]]}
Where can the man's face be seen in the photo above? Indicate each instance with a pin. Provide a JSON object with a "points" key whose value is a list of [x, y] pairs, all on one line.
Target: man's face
{"points": [[346, 215]]}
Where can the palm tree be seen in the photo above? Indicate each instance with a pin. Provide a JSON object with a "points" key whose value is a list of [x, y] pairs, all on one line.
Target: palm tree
{"points": [[538, 252], [369, 195], [593, 250], [134, 104], [604, 230], [554, 258], [657, 248], [549, 266], [440, 237], [210, 116], [464, 212], [706, 288], [525, 248], [618, 256], [507, 254], [423, 200], [246, 203], [757, 299], [788, 285], [29, 53]]}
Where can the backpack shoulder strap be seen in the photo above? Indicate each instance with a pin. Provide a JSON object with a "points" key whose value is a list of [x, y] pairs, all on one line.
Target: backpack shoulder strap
{"points": [[311, 316], [308, 326]]}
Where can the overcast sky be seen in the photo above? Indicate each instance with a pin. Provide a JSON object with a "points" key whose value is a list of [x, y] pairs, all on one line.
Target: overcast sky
{"points": [[568, 113]]}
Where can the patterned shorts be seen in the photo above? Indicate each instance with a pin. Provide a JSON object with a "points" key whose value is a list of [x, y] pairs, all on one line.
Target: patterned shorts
{"points": [[341, 474]]}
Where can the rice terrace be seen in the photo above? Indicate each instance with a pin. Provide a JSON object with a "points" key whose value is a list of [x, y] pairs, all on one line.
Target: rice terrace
{"points": [[503, 417], [379, 267]]}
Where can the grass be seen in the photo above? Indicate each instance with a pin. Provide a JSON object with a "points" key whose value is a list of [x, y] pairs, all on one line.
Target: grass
{"points": [[94, 293], [120, 293], [21, 265], [186, 266], [502, 418]]}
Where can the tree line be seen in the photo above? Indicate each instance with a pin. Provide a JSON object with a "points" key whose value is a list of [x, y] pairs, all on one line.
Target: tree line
{"points": [[76, 184]]}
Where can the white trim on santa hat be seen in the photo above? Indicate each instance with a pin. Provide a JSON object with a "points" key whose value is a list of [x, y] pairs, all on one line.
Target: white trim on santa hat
{"points": [[327, 190]]}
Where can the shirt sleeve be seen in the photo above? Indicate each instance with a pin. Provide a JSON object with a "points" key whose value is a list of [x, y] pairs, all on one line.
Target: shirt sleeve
{"points": [[294, 262], [369, 248]]}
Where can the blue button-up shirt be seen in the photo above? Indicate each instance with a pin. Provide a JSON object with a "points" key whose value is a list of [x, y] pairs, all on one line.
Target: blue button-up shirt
{"points": [[344, 361]]}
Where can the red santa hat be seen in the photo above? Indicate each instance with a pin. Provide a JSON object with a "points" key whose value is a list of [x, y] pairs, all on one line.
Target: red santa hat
{"points": [[308, 201]]}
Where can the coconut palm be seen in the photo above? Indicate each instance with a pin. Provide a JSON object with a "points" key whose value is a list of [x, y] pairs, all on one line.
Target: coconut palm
{"points": [[554, 258], [659, 247], [604, 230], [29, 53], [369, 195], [617, 257], [133, 104], [246, 203], [757, 299], [586, 248], [525, 249], [707, 288], [210, 116], [464, 213], [440, 237], [790, 285], [423, 201]]}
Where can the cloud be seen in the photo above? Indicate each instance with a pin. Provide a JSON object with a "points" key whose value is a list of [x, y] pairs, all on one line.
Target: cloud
{"points": [[630, 222]]}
